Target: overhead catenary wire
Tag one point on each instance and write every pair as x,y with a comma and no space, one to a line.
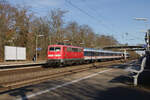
81,10
100,15
89,15
94,18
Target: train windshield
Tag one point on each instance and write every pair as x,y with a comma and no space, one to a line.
54,49
57,48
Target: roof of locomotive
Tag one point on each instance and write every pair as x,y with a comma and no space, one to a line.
58,45
101,50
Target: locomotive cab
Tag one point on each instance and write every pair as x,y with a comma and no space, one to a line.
54,54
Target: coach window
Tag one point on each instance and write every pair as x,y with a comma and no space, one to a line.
97,53
89,53
100,54
110,54
103,54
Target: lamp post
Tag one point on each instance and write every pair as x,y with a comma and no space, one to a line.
37,36
147,33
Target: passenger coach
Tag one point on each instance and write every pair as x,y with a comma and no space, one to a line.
91,54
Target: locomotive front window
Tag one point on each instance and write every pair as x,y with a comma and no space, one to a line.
57,49
51,49
54,49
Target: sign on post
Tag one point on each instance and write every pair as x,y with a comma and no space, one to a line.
38,49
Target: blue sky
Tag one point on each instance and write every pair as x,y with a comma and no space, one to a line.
110,17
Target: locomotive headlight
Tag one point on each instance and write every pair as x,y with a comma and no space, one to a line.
57,55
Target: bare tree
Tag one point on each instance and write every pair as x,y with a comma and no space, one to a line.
19,27
56,25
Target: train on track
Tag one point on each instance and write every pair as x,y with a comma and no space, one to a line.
67,55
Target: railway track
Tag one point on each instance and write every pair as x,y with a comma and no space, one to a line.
38,78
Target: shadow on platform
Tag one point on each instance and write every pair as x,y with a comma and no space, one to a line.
20,92
123,93
122,79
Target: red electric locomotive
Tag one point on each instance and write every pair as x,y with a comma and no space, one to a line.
64,54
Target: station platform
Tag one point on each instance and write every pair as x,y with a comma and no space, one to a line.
20,63
96,84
